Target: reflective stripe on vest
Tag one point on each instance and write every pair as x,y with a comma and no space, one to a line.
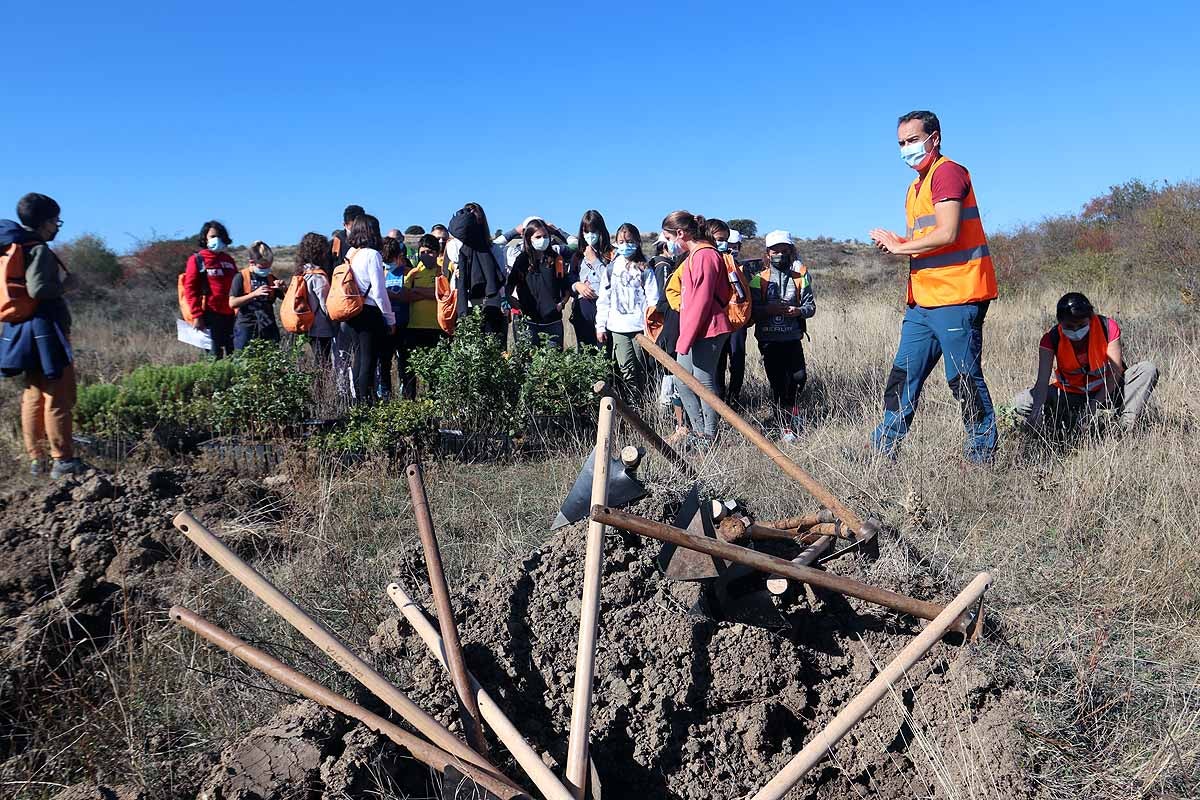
929,220
962,271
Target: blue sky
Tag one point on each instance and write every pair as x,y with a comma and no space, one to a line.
144,118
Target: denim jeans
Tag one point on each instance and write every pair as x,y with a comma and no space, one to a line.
954,333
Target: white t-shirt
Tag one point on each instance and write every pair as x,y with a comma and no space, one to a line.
367,267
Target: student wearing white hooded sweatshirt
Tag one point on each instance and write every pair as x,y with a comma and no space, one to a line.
627,290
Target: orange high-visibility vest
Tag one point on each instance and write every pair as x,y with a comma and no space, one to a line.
1074,377
962,271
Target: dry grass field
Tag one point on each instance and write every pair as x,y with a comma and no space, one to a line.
1094,544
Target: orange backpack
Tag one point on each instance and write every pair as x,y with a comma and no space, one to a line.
738,311
447,304
345,301
296,312
15,303
185,311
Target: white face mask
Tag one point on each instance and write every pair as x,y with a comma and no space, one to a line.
540,243
1079,334
592,238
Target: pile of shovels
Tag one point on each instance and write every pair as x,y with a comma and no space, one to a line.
707,543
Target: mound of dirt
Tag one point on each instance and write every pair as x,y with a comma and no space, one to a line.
688,707
73,554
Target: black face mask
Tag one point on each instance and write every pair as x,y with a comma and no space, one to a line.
777,260
428,260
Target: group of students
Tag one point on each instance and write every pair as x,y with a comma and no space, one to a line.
369,302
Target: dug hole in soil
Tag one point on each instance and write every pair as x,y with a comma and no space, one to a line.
685,706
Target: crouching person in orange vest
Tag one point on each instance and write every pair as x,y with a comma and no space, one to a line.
1083,352
951,283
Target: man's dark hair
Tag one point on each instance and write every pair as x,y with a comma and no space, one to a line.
222,233
35,210
1074,305
414,230
430,241
438,227
929,121
364,232
352,213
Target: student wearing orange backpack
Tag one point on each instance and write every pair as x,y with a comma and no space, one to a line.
367,330
783,301
705,292
35,341
253,295
314,257
204,288
538,287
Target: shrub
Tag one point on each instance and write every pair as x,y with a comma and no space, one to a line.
92,263
560,382
474,383
177,398
160,261
384,428
746,227
269,393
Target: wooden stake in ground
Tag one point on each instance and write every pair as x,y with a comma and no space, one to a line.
648,433
420,749
756,437
469,710
323,638
541,775
589,614
814,752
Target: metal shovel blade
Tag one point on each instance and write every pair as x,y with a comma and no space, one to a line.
623,489
680,563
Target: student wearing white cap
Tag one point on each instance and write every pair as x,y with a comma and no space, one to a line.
783,302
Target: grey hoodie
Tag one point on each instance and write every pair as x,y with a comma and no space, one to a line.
772,286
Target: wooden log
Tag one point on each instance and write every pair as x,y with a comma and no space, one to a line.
589,615
468,709
423,751
528,759
772,565
814,752
323,638
754,435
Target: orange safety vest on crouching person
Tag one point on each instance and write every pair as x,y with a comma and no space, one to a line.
962,271
1073,377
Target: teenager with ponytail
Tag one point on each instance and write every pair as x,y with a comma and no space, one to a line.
703,326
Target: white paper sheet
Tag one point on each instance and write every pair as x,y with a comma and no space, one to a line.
189,335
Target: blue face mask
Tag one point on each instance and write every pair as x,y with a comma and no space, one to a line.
674,247
913,154
215,244
722,247
592,238
626,249
262,272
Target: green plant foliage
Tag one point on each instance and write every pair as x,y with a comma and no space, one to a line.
746,227
269,391
560,382
384,428
151,397
478,386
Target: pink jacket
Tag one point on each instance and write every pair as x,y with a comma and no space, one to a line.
704,291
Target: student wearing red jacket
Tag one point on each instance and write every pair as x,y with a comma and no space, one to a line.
206,284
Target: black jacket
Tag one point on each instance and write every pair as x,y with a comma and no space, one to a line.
537,290
479,278
664,267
